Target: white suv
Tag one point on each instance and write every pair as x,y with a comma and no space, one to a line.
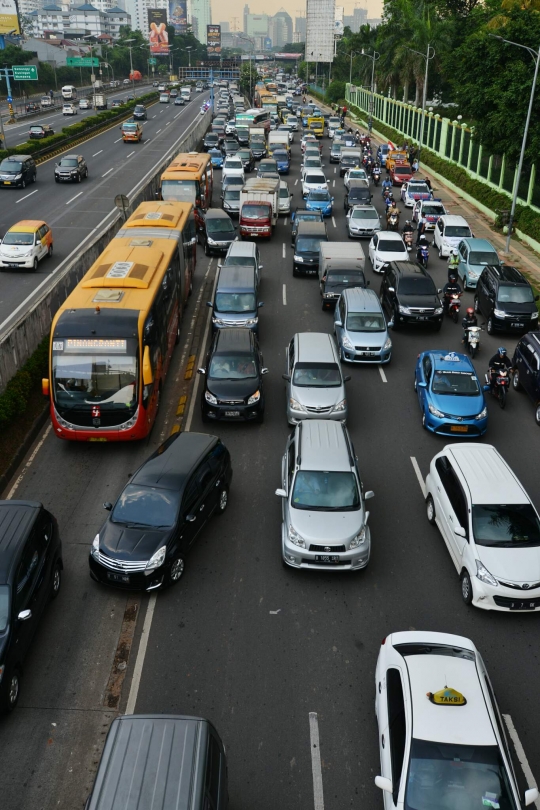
489,525
448,233
313,180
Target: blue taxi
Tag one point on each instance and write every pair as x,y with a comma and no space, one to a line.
216,158
320,200
450,394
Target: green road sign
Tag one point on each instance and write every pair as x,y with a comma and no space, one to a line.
82,61
24,73
152,61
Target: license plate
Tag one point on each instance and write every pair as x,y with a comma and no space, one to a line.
422,318
459,428
98,439
522,605
327,558
11,264
232,413
517,325
7,182
117,577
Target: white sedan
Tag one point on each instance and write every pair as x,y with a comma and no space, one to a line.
385,247
313,180
442,740
69,109
354,174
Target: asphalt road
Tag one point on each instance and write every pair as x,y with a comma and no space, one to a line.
254,647
74,210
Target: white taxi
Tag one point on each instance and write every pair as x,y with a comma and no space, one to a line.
442,740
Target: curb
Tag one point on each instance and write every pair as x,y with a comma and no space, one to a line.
24,447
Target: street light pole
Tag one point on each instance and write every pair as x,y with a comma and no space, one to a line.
374,56
427,56
131,63
536,56
352,55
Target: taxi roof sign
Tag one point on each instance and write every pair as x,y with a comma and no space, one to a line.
447,697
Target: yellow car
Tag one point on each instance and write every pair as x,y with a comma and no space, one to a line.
25,244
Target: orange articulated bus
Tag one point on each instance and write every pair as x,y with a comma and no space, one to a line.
112,341
189,178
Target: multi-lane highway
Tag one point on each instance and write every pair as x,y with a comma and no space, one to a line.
75,210
241,641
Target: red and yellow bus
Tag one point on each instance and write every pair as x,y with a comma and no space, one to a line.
112,341
167,220
189,178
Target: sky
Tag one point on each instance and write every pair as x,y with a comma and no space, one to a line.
231,9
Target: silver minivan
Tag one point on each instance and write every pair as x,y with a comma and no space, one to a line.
323,500
315,385
360,327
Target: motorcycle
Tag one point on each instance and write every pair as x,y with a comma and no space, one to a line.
408,239
473,339
388,196
392,222
422,255
376,174
453,306
501,385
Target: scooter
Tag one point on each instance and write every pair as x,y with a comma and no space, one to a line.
422,256
376,174
501,385
392,222
473,339
408,239
453,306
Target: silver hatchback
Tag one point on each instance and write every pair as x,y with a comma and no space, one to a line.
315,384
323,500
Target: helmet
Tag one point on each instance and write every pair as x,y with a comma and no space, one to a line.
470,312
452,277
407,222
501,350
454,252
423,241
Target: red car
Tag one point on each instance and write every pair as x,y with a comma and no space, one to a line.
401,173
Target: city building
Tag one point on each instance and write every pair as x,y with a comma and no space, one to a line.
320,24
201,16
138,10
26,7
299,29
246,14
56,22
257,25
280,28
225,27
355,20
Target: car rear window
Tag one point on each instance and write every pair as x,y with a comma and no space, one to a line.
422,648
305,244
457,230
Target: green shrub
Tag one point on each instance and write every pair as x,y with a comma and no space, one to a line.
14,400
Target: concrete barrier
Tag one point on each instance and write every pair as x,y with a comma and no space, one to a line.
19,343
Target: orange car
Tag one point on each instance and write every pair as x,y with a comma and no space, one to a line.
395,156
131,131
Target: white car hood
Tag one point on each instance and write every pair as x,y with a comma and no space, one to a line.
13,251
387,256
327,528
512,564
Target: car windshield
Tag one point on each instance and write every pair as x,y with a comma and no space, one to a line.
335,149
483,257
348,277
417,285
515,295
455,383
317,375
445,775
369,213
68,162
14,238
8,165
235,302
418,188
139,108
365,322
281,154
402,170
319,196
506,525
128,126
307,244
235,163
283,193
433,209
355,174
219,225
4,607
250,211
235,366
234,180
328,491
146,506
231,194
391,246
212,138
37,129
244,154
312,162
457,230
316,178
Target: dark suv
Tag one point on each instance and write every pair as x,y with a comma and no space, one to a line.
527,369
144,543
71,169
216,231
408,295
505,298
30,575
139,113
306,248
18,170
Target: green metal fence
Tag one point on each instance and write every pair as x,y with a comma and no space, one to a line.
451,140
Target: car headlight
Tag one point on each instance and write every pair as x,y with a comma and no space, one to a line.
472,274
18,176
534,314
295,405
295,538
347,344
254,398
95,547
210,398
484,576
404,310
438,311
252,321
340,406
210,241
482,414
298,258
218,321
156,560
432,409
358,539
499,313
388,343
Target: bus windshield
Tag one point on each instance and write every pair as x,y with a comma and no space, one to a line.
179,190
105,374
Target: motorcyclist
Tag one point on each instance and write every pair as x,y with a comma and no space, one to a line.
386,184
470,319
422,244
407,228
453,262
421,230
498,362
392,211
452,287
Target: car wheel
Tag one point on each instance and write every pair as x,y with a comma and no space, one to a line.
11,691
476,304
23,183
50,251
56,180
440,253
86,174
176,571
466,587
516,382
395,323
537,414
56,581
34,177
79,178
223,500
490,329
415,384
430,510
35,267
206,249
424,420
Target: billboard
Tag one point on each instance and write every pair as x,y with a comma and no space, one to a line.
213,40
320,25
157,31
177,15
338,30
9,19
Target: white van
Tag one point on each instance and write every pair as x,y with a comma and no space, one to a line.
185,92
448,233
69,92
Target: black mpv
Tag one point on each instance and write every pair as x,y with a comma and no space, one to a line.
506,299
409,296
526,375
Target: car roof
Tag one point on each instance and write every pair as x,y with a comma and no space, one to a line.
323,446
451,361
452,219
242,249
237,340
359,299
73,157
317,172
216,213
489,478
236,277
473,243
311,229
393,236
315,347
17,158
508,274
172,463
16,519
405,268
27,226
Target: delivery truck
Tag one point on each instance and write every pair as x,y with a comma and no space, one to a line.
341,265
259,207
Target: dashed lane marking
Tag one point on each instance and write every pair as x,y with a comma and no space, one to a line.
75,197
334,222
316,770
26,196
98,153
383,375
418,475
284,295
29,463
520,753
108,172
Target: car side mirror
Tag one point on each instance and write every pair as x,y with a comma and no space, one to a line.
369,495
201,371
209,304
24,615
107,505
530,796
460,531
260,304
422,385
347,378
383,783
486,388
191,518
264,371
391,289
439,291
286,377
261,266
281,493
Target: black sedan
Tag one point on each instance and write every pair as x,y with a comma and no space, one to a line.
152,526
233,388
231,146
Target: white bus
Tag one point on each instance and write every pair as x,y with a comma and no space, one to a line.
69,92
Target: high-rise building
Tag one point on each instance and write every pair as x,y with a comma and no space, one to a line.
320,22
201,16
138,9
299,29
257,25
224,27
280,28
356,20
246,15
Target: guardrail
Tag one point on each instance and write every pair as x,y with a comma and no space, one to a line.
23,338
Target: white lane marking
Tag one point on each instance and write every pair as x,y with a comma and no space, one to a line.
333,183
316,761
334,222
296,181
158,131
131,153
335,169
520,752
176,116
383,375
26,196
75,197
286,220
418,475
275,612
154,116
98,153
108,172
284,295
284,251
118,141
29,463
141,653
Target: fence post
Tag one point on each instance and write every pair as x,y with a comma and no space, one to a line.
490,168
385,110
503,170
479,161
444,137
469,155
461,145
532,180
